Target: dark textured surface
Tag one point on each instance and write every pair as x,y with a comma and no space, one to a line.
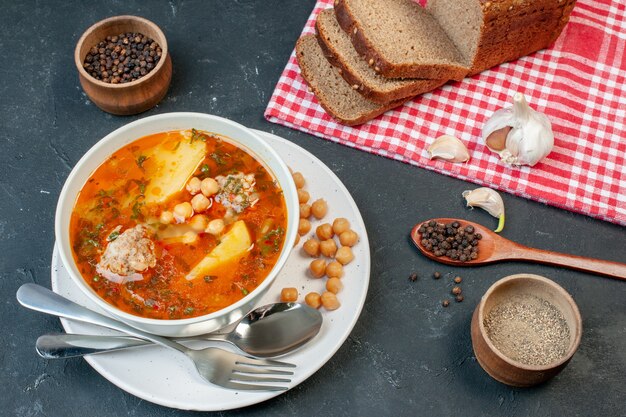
406,355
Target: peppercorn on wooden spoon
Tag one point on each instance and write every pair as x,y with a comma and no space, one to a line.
494,248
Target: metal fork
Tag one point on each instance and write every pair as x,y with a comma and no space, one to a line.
218,366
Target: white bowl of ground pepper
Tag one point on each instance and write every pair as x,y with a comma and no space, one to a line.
525,330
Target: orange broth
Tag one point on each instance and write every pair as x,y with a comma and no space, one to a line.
114,195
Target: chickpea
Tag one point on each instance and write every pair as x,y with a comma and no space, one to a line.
200,203
328,248
330,301
298,178
319,208
166,217
199,222
209,187
303,196
334,285
344,255
340,225
324,231
313,299
297,241
318,268
193,186
304,227
305,211
348,238
312,247
182,211
190,237
334,270
289,295
215,227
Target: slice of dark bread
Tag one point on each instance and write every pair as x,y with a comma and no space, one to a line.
490,32
357,72
401,38
336,96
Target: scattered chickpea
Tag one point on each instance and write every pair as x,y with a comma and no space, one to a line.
456,290
324,231
209,187
215,227
199,222
193,186
289,295
304,227
348,238
318,268
445,303
305,211
334,285
458,298
334,270
303,196
458,280
330,301
166,217
200,203
298,178
319,208
183,211
328,248
344,255
313,299
437,275
340,225
312,247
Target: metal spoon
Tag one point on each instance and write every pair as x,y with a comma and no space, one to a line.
268,331
495,248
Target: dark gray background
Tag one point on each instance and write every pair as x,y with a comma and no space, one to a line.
406,355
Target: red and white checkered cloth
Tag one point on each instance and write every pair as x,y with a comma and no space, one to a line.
579,83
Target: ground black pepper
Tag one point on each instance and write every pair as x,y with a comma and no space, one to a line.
122,58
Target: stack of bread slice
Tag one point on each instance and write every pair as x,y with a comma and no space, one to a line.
369,56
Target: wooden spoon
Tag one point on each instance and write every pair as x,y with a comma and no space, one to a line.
494,248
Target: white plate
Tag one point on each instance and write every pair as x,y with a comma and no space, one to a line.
167,378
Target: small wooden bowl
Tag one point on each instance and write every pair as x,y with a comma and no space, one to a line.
495,363
128,98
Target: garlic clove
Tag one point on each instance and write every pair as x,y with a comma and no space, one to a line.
448,148
520,135
489,200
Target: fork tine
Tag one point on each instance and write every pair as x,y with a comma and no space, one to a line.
260,370
252,378
252,387
246,360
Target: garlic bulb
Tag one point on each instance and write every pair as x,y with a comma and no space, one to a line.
520,135
489,200
448,148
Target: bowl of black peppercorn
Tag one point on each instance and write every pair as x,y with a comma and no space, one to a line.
124,65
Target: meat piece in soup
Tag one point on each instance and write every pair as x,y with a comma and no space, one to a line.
178,224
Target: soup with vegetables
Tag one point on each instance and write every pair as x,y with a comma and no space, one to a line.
178,224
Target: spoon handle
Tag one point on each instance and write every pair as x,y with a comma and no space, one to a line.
595,266
41,299
59,346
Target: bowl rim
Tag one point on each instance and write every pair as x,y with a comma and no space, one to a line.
68,259
79,64
561,291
